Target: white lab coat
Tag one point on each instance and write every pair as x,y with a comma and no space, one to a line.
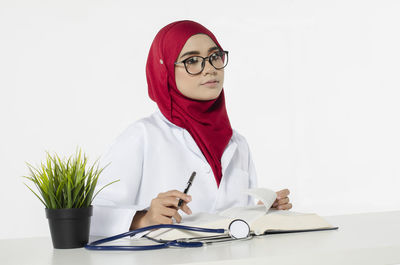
153,155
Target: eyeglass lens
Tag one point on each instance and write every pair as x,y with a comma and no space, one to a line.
195,64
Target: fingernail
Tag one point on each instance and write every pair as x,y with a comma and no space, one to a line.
188,197
190,211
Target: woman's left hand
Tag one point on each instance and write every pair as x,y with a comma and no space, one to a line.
282,200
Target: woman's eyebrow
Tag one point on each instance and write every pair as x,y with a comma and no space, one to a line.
213,49
197,52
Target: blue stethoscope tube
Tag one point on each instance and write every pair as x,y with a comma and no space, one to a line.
173,243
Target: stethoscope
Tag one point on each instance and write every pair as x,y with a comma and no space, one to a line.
238,230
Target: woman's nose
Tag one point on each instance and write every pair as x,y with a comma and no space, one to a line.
208,68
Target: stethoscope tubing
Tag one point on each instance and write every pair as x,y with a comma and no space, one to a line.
173,243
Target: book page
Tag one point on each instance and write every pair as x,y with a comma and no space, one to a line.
265,195
248,214
288,221
205,220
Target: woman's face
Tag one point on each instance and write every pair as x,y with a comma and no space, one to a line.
208,84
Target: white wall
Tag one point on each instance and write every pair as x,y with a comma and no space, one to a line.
313,85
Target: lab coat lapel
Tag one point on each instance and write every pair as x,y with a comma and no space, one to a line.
187,138
228,155
192,145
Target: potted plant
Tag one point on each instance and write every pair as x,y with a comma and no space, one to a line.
67,188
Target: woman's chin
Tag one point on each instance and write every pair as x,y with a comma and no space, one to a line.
210,96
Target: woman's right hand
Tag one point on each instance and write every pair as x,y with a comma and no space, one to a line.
162,209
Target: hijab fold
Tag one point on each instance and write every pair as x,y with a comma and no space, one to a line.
206,121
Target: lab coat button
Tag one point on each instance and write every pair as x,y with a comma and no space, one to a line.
208,170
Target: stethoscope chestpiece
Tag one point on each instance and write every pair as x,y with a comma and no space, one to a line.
239,229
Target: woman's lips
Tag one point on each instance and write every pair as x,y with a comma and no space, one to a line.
211,83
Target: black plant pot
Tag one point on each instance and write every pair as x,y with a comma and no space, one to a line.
69,228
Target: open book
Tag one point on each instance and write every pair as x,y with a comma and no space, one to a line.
260,218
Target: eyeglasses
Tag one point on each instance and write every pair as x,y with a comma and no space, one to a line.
194,65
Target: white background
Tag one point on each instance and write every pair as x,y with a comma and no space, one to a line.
313,86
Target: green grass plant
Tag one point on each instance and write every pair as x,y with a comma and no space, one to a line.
66,183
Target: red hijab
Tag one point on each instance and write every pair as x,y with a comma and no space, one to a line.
206,121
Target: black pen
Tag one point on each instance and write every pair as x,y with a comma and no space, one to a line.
187,187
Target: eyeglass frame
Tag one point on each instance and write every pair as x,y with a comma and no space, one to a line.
203,64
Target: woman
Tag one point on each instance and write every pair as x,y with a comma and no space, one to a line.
191,132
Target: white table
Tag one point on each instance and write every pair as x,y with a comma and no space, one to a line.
370,238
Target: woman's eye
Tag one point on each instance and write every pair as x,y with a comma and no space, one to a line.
192,60
216,56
